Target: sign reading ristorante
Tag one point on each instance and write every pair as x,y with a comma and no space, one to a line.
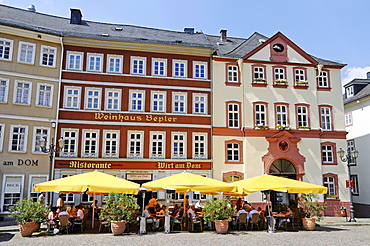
106,164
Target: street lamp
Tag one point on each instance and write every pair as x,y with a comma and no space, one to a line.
51,150
349,158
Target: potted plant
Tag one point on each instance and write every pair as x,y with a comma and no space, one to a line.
118,210
260,80
29,215
261,127
219,211
281,82
311,208
282,127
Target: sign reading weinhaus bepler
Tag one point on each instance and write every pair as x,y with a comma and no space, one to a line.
110,164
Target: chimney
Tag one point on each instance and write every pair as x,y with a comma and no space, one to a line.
31,8
223,35
189,30
76,17
368,75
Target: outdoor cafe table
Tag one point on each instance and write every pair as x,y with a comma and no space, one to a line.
279,217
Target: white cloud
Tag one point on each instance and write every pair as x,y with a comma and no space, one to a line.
354,73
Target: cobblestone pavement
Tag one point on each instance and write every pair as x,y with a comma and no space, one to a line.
341,235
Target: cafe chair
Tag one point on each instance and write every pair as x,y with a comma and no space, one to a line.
81,224
262,221
177,221
64,223
254,222
195,221
243,220
104,223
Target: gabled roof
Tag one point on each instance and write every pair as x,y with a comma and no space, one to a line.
364,92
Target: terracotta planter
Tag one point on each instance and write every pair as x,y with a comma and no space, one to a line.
27,228
221,226
37,226
118,227
309,223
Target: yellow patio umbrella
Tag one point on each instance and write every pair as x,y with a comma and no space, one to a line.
188,182
93,183
271,182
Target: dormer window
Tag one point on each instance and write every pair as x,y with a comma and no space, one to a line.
349,91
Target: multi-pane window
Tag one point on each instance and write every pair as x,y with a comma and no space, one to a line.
281,115
258,73
325,114
75,60
232,178
94,62
70,143
200,70
33,181
44,95
26,52
329,182
348,119
135,144
114,64
48,56
349,91
159,67
90,142
13,186
233,152
233,115
4,89
299,75
113,99
355,189
138,65
179,102
178,145
350,148
22,92
260,114
72,97
137,100
92,98
18,137
6,49
200,102
199,146
279,74
157,148
179,68
302,116
111,140
158,101
327,154
323,79
232,73
2,130
39,133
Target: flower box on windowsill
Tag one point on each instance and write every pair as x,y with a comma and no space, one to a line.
301,83
260,81
331,197
303,128
281,128
281,82
261,127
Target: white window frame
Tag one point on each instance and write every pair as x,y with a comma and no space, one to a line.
42,97
115,100
74,66
63,153
116,59
161,103
326,118
281,116
177,73
5,177
302,117
355,189
233,116
259,73
157,155
330,184
183,154
156,71
66,88
94,62
37,137
259,113
4,87
111,139
174,101
279,73
31,48
233,149
349,91
25,138
348,119
90,153
323,79
49,51
196,142
327,154
31,184
29,89
137,143
93,97
351,147
4,45
2,132
197,74
232,73
133,70
199,103
134,106
299,75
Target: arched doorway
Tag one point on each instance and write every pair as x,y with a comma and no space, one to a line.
282,168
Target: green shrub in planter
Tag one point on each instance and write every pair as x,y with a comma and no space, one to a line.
311,206
28,211
218,209
120,207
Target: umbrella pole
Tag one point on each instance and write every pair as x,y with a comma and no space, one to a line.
93,212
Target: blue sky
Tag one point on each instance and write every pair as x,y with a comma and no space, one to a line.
336,30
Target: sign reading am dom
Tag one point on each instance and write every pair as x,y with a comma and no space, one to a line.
110,164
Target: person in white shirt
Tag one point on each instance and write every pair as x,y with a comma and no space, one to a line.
191,212
241,211
147,215
253,211
199,205
60,202
63,212
80,214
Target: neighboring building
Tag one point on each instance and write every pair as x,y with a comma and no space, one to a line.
357,118
29,85
277,110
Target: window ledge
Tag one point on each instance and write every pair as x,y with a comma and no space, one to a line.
323,89
279,86
254,84
234,162
302,87
233,83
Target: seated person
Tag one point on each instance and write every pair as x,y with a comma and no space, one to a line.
288,213
241,211
175,210
63,211
80,214
147,215
52,215
72,209
253,211
199,206
191,212
163,211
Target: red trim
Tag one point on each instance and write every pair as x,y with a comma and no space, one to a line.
320,88
331,116
308,113
335,176
232,173
230,83
240,143
266,111
239,114
287,112
334,150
